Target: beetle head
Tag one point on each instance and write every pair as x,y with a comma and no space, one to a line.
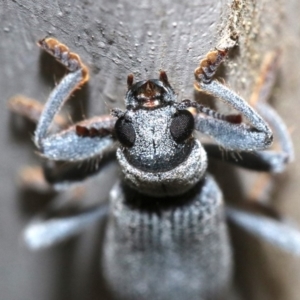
149,94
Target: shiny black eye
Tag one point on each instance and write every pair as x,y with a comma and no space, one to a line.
182,125
125,132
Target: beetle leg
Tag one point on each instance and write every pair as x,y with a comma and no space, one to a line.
77,77
235,136
260,219
32,109
258,136
32,178
270,160
278,233
87,139
42,233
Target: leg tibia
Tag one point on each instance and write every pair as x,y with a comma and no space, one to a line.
54,103
77,77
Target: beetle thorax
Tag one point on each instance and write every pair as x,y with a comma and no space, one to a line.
158,155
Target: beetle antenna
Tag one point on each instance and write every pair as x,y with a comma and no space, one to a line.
130,78
163,77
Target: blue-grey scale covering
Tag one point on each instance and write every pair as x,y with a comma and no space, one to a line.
177,253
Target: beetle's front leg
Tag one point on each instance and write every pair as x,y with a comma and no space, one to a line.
271,160
87,139
265,82
77,77
43,232
256,136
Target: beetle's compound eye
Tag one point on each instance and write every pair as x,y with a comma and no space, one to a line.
125,132
182,125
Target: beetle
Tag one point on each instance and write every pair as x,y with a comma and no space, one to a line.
166,217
